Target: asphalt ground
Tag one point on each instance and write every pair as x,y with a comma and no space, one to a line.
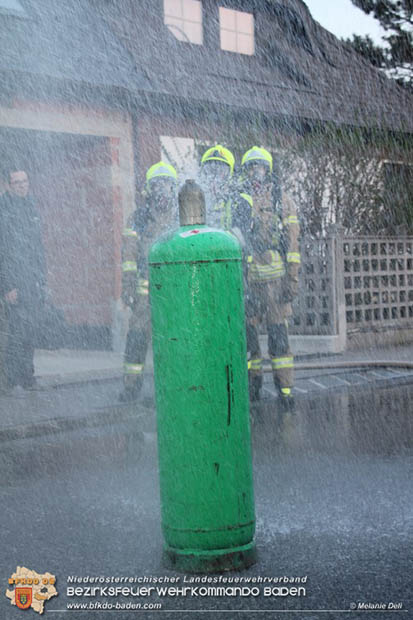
333,494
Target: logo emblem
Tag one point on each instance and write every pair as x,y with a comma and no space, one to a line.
29,589
23,597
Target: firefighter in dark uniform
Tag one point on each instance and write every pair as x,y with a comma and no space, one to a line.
23,274
157,214
268,222
4,384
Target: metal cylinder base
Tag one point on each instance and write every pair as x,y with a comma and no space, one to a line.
210,561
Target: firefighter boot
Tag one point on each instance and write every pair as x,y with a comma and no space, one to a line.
286,401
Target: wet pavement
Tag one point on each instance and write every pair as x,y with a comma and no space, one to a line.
88,398
334,503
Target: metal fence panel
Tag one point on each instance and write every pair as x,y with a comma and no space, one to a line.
378,282
314,310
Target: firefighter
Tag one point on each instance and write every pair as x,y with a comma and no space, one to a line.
156,215
269,225
217,168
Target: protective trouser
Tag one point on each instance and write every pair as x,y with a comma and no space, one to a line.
137,339
263,305
255,377
282,360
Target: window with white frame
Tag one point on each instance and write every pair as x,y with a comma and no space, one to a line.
184,19
180,153
236,31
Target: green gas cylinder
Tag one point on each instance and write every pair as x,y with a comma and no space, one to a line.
201,385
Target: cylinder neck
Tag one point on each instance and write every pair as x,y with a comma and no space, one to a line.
191,202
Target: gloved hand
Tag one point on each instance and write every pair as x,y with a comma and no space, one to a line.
290,289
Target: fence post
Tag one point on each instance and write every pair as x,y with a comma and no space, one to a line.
336,234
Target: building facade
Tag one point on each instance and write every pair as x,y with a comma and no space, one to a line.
96,91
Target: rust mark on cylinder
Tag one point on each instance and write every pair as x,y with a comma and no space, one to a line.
230,391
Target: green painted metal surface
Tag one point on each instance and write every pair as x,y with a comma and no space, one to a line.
201,383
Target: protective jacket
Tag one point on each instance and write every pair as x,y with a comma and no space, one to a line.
269,225
142,228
